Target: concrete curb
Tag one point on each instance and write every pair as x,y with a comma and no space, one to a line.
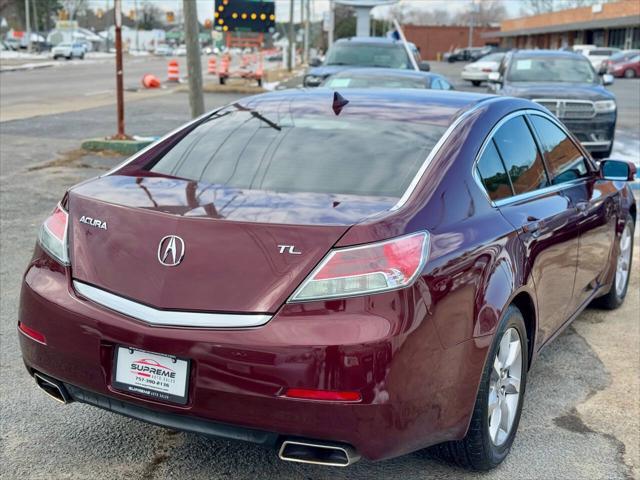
123,147
26,66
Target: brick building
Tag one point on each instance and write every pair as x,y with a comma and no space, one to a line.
615,24
436,40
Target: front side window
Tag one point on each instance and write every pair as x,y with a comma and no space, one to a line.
493,173
564,160
519,152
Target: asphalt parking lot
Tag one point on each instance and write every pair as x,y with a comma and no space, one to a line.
581,416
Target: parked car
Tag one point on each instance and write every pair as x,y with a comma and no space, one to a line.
598,55
68,51
466,54
336,279
386,78
568,86
362,52
624,64
478,71
163,50
180,51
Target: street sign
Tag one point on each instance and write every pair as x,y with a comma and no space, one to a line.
244,15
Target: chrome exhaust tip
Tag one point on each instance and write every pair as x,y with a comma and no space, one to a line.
53,388
318,453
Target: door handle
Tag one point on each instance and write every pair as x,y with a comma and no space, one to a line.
533,227
582,207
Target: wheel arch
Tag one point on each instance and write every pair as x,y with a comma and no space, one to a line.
524,302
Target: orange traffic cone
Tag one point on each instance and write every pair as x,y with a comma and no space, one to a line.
150,81
173,72
211,69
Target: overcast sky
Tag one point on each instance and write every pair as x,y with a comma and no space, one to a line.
318,7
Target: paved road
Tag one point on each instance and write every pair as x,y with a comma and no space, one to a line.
582,410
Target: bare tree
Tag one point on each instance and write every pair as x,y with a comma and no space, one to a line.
537,7
74,7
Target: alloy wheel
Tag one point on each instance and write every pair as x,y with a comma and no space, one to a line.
624,260
504,387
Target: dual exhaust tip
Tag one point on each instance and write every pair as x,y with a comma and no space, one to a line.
301,451
53,388
318,453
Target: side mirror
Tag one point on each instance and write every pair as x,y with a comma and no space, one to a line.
617,170
424,66
607,79
494,77
315,62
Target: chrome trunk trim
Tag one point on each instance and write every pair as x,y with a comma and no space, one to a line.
168,318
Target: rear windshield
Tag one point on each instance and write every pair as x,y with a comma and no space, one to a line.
308,152
374,81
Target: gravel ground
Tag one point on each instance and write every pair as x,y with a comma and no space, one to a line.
581,413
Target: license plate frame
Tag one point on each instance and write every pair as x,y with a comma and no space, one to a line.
152,378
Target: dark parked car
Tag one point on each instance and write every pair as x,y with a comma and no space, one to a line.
386,78
337,276
569,87
627,66
348,53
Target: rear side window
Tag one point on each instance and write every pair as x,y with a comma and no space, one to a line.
493,173
564,160
520,155
302,151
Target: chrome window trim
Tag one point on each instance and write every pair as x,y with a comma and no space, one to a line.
168,318
534,193
436,148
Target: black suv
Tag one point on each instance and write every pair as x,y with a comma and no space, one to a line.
568,86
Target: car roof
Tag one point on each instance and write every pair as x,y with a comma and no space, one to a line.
436,107
385,72
547,53
372,41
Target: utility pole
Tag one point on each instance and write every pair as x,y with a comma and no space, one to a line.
302,30
27,16
307,40
290,55
119,71
332,21
194,66
471,20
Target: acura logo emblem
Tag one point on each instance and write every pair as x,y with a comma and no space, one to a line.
171,250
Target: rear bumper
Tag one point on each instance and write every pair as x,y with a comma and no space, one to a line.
475,76
411,395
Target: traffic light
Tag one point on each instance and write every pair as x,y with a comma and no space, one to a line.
244,15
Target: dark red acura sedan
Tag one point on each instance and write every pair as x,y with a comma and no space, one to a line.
365,274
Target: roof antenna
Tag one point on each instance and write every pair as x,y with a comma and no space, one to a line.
339,102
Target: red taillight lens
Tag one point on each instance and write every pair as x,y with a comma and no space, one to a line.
31,333
53,235
487,70
366,269
326,395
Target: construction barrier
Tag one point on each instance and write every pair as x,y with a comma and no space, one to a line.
150,81
211,66
173,71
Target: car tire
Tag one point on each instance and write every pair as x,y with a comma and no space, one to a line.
478,450
629,73
69,57
55,57
476,83
618,291
81,56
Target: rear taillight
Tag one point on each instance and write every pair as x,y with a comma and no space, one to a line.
53,235
365,269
